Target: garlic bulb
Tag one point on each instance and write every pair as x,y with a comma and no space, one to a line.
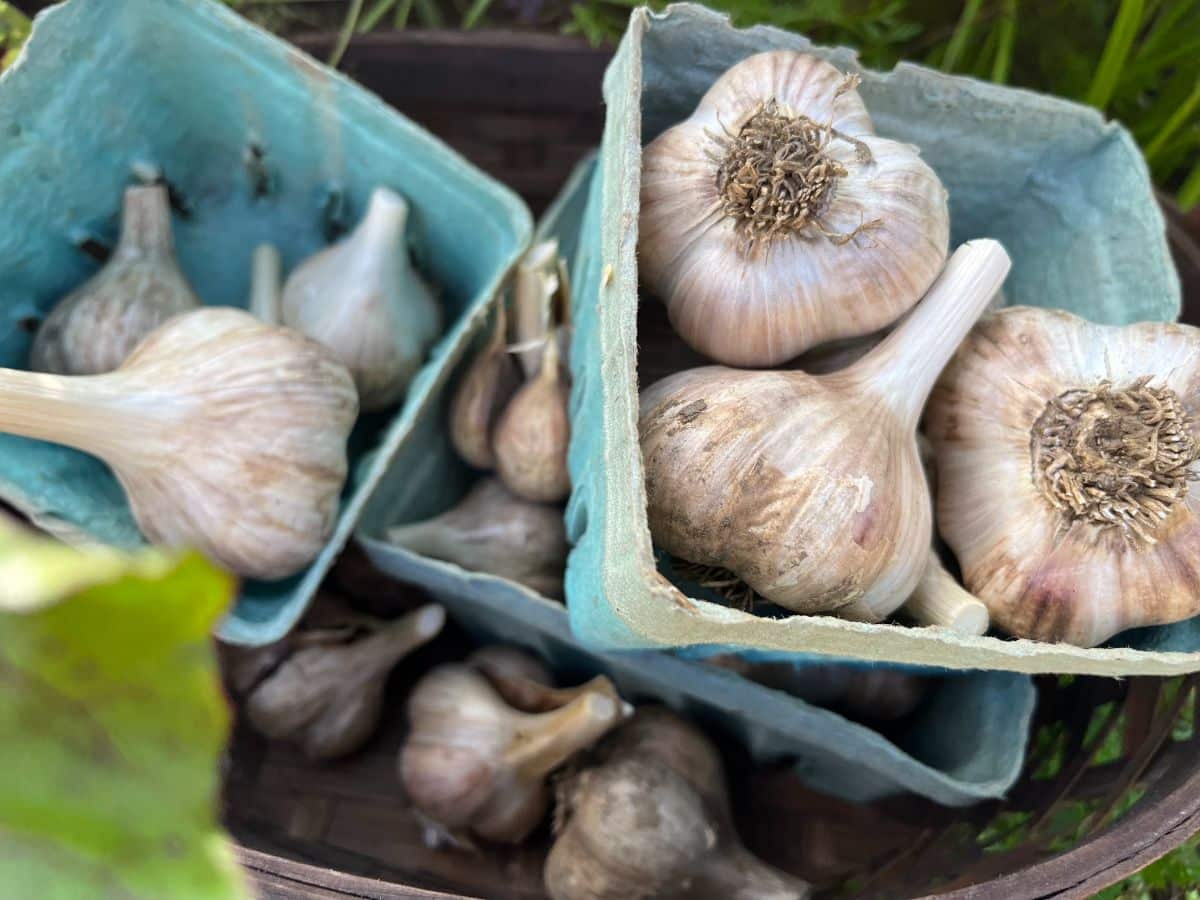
493,531
227,435
266,276
1066,458
809,488
531,437
329,698
481,397
652,822
93,329
473,762
775,219
363,299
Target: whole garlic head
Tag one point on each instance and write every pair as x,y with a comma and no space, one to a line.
363,299
227,435
94,328
774,218
1067,465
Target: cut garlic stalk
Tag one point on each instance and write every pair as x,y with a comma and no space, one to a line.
227,435
810,488
940,600
266,286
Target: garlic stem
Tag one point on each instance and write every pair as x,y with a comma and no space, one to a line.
536,284
266,285
83,411
145,224
940,600
737,874
546,740
904,367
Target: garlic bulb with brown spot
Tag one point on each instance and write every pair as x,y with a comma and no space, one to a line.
480,398
775,219
328,698
227,435
810,488
531,437
652,822
473,762
1067,466
494,531
96,327
364,300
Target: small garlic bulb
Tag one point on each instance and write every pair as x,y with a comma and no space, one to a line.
775,219
95,328
810,488
328,698
472,762
480,398
493,531
531,437
363,299
227,435
1067,466
652,822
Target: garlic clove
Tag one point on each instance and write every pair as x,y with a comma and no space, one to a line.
652,820
749,281
266,284
472,761
227,435
531,437
329,698
810,488
493,531
94,328
364,300
481,397
1070,536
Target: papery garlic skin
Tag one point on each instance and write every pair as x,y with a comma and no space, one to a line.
874,241
480,398
810,489
1049,573
95,327
363,299
227,435
532,435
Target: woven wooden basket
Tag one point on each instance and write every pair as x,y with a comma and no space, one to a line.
1113,778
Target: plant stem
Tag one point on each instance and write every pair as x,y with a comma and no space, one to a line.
352,16
472,16
1181,115
1116,53
962,32
375,15
1006,32
1189,191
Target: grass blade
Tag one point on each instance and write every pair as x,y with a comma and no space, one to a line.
962,32
403,11
1006,33
1116,53
1181,115
1189,191
375,15
472,16
352,16
429,14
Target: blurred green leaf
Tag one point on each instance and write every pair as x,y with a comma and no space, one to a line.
111,724
14,29
1116,52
